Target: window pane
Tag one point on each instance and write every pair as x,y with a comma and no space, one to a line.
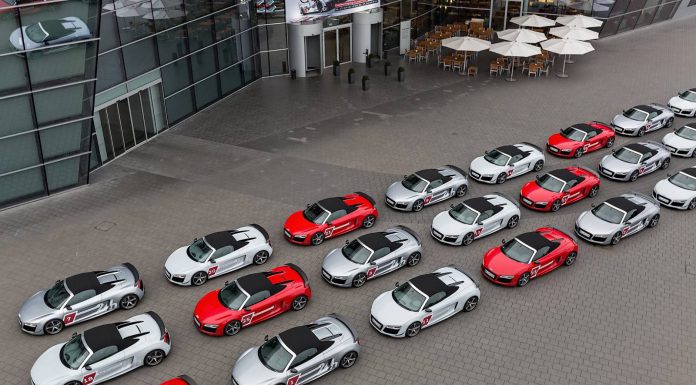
200,33
648,13
203,63
207,92
179,106
94,155
64,173
18,152
231,79
227,23
172,45
138,118
276,37
196,8
175,76
9,24
16,115
108,37
72,63
139,57
110,70
168,13
665,12
26,184
229,52
65,140
278,62
14,79
63,103
134,21
126,126
619,7
610,26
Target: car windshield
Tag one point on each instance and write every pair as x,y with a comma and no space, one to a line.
549,183
517,251
573,134
688,95
35,33
315,214
56,296
408,297
356,252
462,213
231,296
497,158
684,181
686,132
74,353
608,213
274,356
414,183
635,114
627,156
199,250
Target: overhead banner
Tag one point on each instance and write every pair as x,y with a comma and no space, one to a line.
303,10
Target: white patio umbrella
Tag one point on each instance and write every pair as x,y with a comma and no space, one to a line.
466,43
164,13
535,21
580,21
521,35
514,49
158,4
119,4
567,47
574,33
131,12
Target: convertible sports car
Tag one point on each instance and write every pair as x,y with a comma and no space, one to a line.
299,355
579,139
330,217
528,256
372,255
639,120
678,191
104,352
81,297
475,218
634,160
682,142
424,301
684,103
252,299
427,187
618,218
507,162
181,380
218,253
49,32
558,188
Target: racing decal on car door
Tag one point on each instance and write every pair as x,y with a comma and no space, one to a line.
246,319
478,232
588,146
536,269
625,231
293,380
509,172
426,320
427,199
88,379
212,271
69,318
371,272
568,197
329,231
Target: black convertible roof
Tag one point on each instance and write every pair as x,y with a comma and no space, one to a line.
563,175
510,150
584,127
479,204
429,284
624,204
301,338
535,240
639,148
254,283
102,336
432,174
648,109
376,241
691,171
81,282
333,204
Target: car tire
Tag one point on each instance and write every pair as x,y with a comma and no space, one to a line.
261,257
692,204
665,163
154,358
556,205
615,239
300,302
513,222
654,221
610,142
417,205
570,258
641,132
348,359
669,123
369,221
693,153
468,239
501,178
633,177
594,191
233,327
578,153
128,301
461,191
413,329
470,304
73,383
524,279
359,280
317,239
538,165
199,278
413,259
54,326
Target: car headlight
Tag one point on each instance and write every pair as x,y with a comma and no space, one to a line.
507,276
542,203
300,236
340,277
182,276
566,151
393,326
488,175
31,325
211,326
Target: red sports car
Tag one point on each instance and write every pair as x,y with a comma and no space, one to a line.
579,139
528,256
558,188
181,380
330,217
252,299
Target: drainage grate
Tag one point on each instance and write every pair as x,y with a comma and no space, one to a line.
105,226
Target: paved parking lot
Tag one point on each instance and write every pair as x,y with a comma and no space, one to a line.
620,315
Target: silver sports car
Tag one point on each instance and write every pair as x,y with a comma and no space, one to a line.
639,120
299,355
475,218
217,254
424,301
506,162
682,142
372,255
634,160
684,103
618,218
81,297
104,352
49,32
427,187
678,191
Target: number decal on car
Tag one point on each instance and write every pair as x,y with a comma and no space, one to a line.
293,380
625,231
564,200
426,320
69,318
478,232
586,147
88,379
509,172
329,231
641,170
371,272
427,199
534,271
246,319
212,271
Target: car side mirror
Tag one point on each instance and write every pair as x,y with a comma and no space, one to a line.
68,307
428,310
293,371
373,263
87,367
211,260
405,176
504,241
669,175
227,283
396,284
330,223
613,150
479,223
593,205
347,241
247,308
536,262
486,152
452,205
265,338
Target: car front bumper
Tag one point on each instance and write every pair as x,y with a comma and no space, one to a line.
495,278
398,205
614,175
340,282
185,281
683,112
482,178
383,329
447,239
528,203
217,332
589,237
563,153
683,152
665,201
625,131
306,241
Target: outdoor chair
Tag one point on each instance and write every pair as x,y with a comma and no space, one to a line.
447,63
533,70
440,60
544,70
412,56
494,69
457,65
505,68
473,71
525,67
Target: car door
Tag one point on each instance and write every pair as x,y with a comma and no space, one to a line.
381,262
520,164
634,223
648,163
572,192
104,364
83,306
489,223
259,307
439,307
544,261
230,259
653,123
592,142
307,366
338,222
438,190
215,261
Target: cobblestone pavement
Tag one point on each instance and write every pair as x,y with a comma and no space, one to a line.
620,315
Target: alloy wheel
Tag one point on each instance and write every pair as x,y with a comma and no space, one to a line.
317,239
570,259
261,257
556,205
594,191
524,280
418,205
53,326
610,142
129,301
692,204
413,259
154,358
665,164
616,238
299,303
232,328
578,153
369,221
468,238
634,176
413,329
539,165
501,178
359,280
654,220
199,278
513,222
470,304
349,359
461,191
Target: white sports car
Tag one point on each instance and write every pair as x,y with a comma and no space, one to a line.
507,162
424,301
49,32
427,187
684,103
678,191
639,120
475,218
682,142
635,160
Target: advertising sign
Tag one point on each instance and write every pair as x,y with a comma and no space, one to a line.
302,10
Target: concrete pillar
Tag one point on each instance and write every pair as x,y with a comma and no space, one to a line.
362,35
296,44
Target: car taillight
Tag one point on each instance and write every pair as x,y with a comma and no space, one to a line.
165,336
139,284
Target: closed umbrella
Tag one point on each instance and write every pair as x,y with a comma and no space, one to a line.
521,36
580,21
567,47
466,43
514,49
535,21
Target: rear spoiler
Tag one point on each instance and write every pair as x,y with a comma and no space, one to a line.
411,232
661,105
563,232
591,171
508,197
658,144
457,169
300,272
603,124
459,269
646,197
159,322
369,198
341,320
532,145
133,270
187,379
260,229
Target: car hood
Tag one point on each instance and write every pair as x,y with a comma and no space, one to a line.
673,192
180,263
336,264
398,192
210,310
34,308
677,141
447,225
250,370
16,39
532,191
389,312
624,122
589,222
501,264
298,224
482,166
682,104
612,163
48,369
559,141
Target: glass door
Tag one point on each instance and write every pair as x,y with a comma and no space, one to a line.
337,45
344,45
330,48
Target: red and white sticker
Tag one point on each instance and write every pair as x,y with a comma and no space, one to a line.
427,199
246,319
478,232
426,320
371,272
564,200
642,170
293,380
625,231
69,318
534,271
212,271
88,379
329,231
509,172
586,147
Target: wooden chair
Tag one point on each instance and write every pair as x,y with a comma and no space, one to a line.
457,65
494,69
473,71
533,70
412,55
440,60
525,67
544,70
447,63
